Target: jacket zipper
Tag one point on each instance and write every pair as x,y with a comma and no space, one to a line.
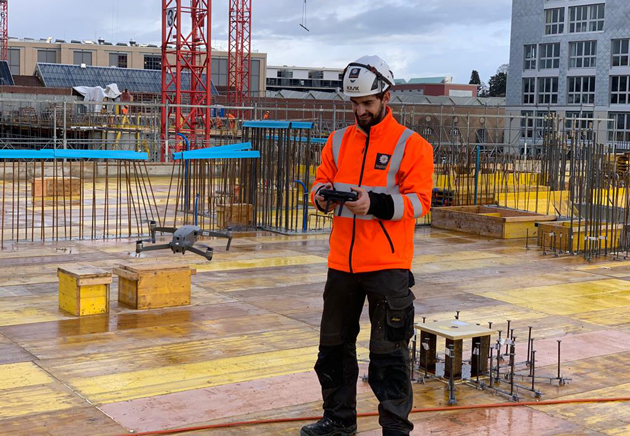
391,244
354,218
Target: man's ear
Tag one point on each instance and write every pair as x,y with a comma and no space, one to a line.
387,97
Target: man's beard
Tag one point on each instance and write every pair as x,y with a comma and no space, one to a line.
367,124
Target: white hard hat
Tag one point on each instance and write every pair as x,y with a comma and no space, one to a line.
368,75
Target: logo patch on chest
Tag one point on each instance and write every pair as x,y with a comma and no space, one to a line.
381,161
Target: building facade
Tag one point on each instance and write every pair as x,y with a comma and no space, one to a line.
24,54
304,78
571,58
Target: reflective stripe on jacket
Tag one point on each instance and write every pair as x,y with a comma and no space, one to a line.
392,160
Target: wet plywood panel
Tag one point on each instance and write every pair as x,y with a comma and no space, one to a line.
246,346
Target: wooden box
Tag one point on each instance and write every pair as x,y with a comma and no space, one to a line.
558,236
488,221
84,290
235,215
153,285
50,186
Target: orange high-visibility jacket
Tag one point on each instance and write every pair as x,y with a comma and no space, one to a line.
392,160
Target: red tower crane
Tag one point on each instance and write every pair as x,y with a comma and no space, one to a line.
4,30
186,80
240,45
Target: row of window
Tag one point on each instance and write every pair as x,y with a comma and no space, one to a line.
314,75
120,60
533,124
587,18
582,54
580,90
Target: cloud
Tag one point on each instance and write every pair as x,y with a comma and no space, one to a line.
417,37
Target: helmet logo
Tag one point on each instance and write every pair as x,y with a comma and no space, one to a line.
354,73
352,88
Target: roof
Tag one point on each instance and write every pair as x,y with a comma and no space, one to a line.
429,80
135,80
399,81
5,74
397,98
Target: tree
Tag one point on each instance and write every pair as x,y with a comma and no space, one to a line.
498,82
474,78
482,90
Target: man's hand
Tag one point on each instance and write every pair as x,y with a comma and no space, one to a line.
322,203
362,205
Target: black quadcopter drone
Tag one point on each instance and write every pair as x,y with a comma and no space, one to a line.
183,240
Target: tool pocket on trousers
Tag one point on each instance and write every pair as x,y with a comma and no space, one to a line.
400,317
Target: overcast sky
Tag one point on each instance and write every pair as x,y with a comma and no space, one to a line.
417,37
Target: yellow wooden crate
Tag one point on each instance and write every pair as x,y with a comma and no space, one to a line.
149,286
84,290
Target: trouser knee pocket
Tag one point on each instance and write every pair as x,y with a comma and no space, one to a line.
400,317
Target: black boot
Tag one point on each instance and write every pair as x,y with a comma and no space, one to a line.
328,427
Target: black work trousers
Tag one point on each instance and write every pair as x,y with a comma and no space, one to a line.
391,316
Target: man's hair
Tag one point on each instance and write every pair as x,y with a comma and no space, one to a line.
380,95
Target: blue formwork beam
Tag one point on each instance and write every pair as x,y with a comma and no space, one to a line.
73,154
221,149
27,154
268,124
101,154
187,155
300,139
304,125
265,124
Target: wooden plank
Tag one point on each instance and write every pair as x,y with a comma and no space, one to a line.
128,291
456,358
79,420
455,329
83,272
68,294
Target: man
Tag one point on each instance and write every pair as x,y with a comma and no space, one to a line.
371,248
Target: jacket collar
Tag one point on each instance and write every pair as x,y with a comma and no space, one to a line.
381,128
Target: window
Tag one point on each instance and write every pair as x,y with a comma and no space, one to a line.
316,75
579,125
620,52
219,72
527,124
581,90
152,62
548,90
619,129
579,120
549,56
619,89
285,74
255,77
554,21
118,60
47,56
534,124
82,57
529,90
588,18
582,54
14,61
530,57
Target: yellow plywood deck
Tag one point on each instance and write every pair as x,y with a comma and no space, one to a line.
245,347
